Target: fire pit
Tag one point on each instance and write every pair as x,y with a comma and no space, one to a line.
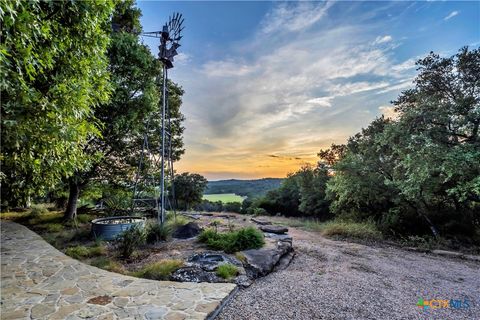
109,228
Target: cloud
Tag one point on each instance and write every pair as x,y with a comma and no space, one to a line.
451,15
322,101
383,39
294,17
287,94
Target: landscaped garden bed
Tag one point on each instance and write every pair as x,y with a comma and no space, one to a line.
214,247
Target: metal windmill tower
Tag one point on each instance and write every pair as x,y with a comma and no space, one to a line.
150,192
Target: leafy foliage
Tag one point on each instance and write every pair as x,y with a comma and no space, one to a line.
419,172
158,232
130,240
53,73
132,111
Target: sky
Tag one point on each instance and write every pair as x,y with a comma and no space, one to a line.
269,84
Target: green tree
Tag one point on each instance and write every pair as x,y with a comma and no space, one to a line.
420,171
189,188
53,73
312,183
132,109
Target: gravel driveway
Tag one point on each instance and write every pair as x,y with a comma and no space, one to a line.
343,280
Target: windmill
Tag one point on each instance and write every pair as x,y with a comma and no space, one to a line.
150,193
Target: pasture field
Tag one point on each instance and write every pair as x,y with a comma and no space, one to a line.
224,197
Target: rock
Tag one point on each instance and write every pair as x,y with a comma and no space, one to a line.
260,221
194,274
471,257
260,262
243,281
445,253
209,261
274,229
187,231
227,216
284,261
279,237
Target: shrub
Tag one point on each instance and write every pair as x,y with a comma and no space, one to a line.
38,209
360,230
157,232
259,212
227,271
77,252
243,239
130,240
160,270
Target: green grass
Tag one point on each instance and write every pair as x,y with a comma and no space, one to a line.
223,197
160,270
234,241
80,252
107,264
227,271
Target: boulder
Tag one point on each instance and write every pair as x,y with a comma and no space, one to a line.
260,262
274,229
187,231
260,221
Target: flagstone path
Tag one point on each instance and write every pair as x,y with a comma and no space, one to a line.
40,282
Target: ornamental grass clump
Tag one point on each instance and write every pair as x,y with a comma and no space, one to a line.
227,271
160,270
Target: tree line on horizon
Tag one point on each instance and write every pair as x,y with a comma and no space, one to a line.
415,174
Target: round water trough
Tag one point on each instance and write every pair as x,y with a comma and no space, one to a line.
109,228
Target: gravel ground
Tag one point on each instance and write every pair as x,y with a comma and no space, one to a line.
342,280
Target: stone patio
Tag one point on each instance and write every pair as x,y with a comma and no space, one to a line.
40,282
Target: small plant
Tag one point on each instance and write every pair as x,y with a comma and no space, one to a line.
158,232
130,240
240,257
108,264
215,224
79,252
175,222
54,227
227,271
243,239
160,270
38,209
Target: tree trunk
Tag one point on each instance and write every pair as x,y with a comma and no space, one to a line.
74,193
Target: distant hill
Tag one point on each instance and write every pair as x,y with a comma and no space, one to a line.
249,188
